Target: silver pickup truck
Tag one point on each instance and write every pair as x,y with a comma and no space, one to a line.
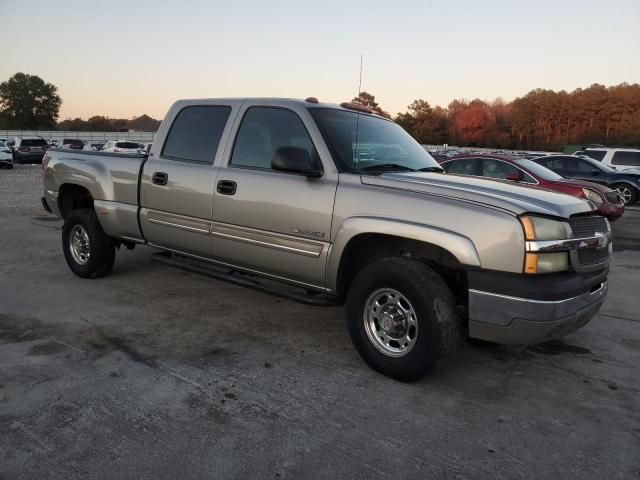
349,208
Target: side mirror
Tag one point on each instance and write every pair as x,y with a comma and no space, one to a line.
514,177
295,160
595,171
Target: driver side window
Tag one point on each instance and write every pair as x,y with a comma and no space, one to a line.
263,131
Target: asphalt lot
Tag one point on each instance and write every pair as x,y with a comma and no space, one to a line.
153,372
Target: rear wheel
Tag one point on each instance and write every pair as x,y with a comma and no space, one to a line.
402,318
627,192
89,252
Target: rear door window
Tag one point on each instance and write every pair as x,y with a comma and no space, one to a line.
196,133
595,154
628,158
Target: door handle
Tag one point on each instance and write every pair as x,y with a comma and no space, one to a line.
226,187
160,178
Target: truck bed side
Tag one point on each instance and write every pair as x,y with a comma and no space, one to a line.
111,179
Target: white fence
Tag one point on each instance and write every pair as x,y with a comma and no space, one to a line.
141,137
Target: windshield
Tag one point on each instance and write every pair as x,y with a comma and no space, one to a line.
538,170
72,141
363,143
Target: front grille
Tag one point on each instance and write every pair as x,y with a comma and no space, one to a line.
586,227
592,256
613,197
583,227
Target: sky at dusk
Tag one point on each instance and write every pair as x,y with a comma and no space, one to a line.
122,59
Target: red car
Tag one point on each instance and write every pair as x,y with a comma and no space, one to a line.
607,201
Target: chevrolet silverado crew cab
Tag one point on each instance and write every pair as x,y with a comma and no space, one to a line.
275,193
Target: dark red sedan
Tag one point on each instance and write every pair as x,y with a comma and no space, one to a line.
607,201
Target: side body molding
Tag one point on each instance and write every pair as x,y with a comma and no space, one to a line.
461,247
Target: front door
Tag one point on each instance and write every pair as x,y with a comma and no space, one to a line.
178,181
273,222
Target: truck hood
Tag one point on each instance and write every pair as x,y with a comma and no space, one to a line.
517,199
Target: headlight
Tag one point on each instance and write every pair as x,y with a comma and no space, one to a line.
592,195
539,229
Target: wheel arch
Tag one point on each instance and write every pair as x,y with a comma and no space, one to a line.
72,197
361,241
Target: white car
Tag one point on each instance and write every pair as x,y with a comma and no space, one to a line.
617,158
93,146
6,158
122,146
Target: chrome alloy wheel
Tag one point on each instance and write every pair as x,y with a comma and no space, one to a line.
79,244
390,322
625,193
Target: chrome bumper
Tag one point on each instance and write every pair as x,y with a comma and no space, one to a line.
513,320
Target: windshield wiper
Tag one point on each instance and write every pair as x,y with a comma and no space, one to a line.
431,169
383,167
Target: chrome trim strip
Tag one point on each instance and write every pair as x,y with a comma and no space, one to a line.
603,285
269,240
244,269
598,241
276,241
179,221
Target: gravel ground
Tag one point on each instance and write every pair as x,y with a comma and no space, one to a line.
152,372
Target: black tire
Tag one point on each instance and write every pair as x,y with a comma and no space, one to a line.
633,194
101,248
438,323
10,166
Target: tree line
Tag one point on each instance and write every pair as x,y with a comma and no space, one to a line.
542,119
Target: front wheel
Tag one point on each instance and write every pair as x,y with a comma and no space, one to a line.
627,193
402,318
89,252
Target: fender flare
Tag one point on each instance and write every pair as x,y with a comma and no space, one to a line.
460,246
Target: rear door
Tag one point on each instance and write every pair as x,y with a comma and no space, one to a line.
274,222
179,177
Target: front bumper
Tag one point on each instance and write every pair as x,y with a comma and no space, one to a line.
518,320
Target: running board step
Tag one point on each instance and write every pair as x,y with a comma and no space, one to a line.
202,268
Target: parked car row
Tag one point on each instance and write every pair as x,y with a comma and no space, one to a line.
6,157
33,149
534,173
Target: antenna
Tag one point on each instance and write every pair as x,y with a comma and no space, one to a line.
355,151
360,83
